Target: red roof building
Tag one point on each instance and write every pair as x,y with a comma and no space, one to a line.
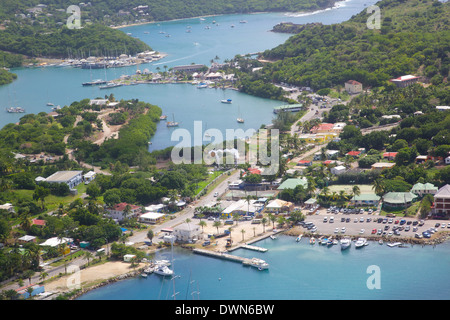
389,155
404,81
38,222
323,127
353,153
304,163
118,211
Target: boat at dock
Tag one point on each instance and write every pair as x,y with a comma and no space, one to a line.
345,243
111,85
273,237
299,238
312,241
15,110
257,263
163,117
94,83
163,270
361,242
202,85
394,244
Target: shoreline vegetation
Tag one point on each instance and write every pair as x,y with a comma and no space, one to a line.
117,273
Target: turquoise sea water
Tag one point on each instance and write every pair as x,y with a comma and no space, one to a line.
61,86
298,271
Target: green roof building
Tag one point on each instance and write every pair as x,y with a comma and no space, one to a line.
424,188
399,199
293,182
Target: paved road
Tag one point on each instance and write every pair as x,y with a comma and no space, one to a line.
188,212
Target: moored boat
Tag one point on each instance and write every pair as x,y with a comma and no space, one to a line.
163,270
345,243
257,263
312,241
229,101
299,238
15,110
361,242
240,120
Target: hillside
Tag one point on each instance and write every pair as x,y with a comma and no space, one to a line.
414,39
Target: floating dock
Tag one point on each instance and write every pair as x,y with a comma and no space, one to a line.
254,248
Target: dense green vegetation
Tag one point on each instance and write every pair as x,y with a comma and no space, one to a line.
414,39
118,12
63,42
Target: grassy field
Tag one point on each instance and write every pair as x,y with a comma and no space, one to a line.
364,188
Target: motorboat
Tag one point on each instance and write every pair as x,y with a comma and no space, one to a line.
380,241
163,117
330,242
324,241
361,242
394,244
312,241
144,275
163,270
258,263
345,243
273,237
202,85
240,120
299,238
229,101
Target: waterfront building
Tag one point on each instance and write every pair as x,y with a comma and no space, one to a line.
442,201
398,199
187,232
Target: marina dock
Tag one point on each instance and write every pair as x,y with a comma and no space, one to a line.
250,247
220,255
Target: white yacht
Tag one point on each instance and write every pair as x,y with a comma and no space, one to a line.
258,263
361,242
299,238
345,243
163,270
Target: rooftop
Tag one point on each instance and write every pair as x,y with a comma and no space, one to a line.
443,192
398,197
292,183
62,176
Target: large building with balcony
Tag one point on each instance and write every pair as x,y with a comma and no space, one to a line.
442,201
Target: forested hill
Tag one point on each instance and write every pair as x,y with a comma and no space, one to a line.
414,38
119,11
60,43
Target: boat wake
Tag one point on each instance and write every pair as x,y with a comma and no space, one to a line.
337,5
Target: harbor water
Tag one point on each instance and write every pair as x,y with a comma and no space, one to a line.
297,271
35,87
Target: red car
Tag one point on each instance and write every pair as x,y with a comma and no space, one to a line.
374,231
396,222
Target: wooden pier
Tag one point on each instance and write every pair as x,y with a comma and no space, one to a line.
221,255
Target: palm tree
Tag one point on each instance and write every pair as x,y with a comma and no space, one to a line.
202,224
217,224
378,186
356,191
243,231
87,255
43,275
264,221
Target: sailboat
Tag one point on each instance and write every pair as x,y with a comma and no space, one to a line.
240,119
172,123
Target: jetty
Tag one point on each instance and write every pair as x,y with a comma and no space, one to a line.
220,255
250,247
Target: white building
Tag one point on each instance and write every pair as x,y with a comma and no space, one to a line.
353,87
338,170
88,177
118,213
187,232
8,207
151,217
71,178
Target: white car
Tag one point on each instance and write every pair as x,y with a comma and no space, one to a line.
216,194
331,220
362,231
325,219
343,230
336,230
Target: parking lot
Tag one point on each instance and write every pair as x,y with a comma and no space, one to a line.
364,224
